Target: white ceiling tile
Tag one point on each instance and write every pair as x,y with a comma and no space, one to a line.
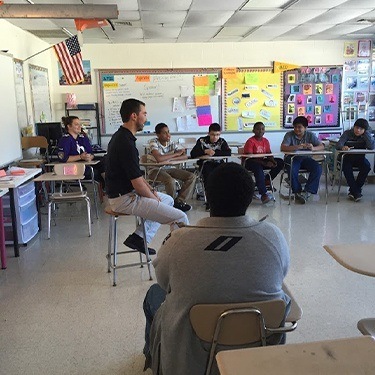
367,30
267,33
169,19
96,41
164,4
127,15
338,16
310,29
344,29
252,17
161,32
93,33
254,4
214,18
296,17
216,4
316,4
233,31
204,32
226,39
64,23
125,32
353,4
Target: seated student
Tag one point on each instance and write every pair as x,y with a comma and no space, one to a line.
211,145
301,139
75,146
358,137
199,265
260,145
162,149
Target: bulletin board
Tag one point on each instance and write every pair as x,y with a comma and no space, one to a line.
253,95
187,100
40,96
313,92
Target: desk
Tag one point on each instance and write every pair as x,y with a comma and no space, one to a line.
11,185
3,256
322,153
331,357
345,153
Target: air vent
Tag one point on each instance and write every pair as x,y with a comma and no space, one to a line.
123,23
56,33
366,21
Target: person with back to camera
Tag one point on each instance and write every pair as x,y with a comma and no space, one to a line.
258,144
301,139
226,258
74,146
210,145
127,190
163,149
358,137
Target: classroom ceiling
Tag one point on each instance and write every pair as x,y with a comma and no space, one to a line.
189,21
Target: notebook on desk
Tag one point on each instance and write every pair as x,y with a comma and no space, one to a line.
360,144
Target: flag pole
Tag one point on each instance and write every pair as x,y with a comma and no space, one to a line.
35,54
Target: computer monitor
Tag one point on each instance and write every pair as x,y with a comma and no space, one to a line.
53,131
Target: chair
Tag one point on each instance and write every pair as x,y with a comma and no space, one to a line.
238,324
112,246
41,153
69,169
339,164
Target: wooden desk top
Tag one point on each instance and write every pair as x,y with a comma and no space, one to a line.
307,152
331,357
358,257
15,181
92,162
356,151
51,176
258,156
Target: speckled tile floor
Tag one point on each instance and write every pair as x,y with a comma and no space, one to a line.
59,313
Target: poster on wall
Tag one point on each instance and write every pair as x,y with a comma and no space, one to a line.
86,70
313,92
252,95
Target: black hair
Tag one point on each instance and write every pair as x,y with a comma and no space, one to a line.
258,123
229,190
301,120
214,127
128,107
362,123
159,127
68,120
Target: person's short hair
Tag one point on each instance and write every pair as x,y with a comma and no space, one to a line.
301,120
258,123
128,107
229,190
159,127
362,123
214,127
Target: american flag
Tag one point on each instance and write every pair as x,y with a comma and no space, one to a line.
69,54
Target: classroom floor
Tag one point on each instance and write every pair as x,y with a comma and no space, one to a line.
59,313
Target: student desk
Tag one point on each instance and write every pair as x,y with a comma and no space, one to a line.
2,234
11,185
344,154
321,153
358,258
333,357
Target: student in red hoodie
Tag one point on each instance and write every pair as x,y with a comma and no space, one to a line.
260,145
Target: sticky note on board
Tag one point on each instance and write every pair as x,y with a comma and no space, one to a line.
203,100
229,73
251,78
201,81
201,90
110,86
205,110
204,120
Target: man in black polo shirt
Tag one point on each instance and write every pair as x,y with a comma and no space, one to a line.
127,190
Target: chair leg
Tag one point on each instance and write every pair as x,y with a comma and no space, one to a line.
49,220
88,214
114,261
110,240
148,259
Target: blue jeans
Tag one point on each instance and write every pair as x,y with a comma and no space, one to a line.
258,170
359,161
311,165
155,296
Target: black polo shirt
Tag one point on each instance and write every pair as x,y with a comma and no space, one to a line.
122,163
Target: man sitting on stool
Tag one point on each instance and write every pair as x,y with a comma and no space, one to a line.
163,149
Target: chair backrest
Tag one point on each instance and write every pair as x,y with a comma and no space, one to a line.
241,325
36,141
187,140
69,169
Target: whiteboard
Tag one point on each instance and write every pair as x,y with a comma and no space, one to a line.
10,139
40,97
169,95
20,94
